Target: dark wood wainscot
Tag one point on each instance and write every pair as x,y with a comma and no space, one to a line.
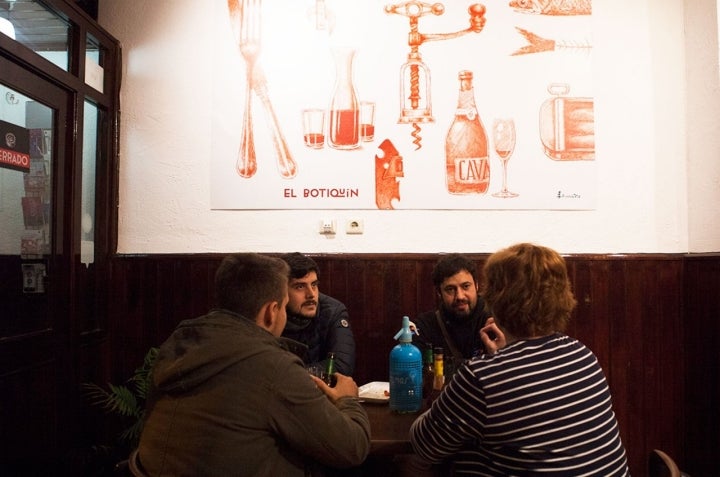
652,320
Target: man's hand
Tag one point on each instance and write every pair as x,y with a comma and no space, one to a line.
344,387
492,337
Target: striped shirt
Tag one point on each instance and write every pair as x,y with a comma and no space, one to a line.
536,407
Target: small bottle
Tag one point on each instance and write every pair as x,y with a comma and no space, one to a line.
330,370
466,145
405,373
438,368
428,371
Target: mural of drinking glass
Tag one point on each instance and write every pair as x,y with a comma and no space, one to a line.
503,134
314,127
367,120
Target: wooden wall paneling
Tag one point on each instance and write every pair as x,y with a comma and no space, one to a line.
612,305
149,297
587,323
595,300
625,349
130,312
382,319
591,324
664,358
630,312
165,283
427,299
650,383
29,414
408,286
87,320
202,288
701,324
354,295
391,319
94,365
338,279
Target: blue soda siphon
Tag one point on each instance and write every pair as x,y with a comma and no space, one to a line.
405,373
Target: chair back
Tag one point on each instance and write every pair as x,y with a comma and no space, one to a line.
135,466
662,465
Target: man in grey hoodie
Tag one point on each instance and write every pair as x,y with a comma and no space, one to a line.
229,400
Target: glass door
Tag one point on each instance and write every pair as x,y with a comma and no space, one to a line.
35,263
59,96
26,165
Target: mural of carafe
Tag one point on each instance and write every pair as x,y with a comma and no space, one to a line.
344,107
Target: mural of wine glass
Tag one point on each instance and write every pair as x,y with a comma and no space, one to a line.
503,134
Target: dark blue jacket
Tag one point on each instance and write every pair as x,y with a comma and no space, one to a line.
328,331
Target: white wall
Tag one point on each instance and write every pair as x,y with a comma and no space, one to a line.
703,130
657,143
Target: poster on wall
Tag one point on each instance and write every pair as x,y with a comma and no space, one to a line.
368,104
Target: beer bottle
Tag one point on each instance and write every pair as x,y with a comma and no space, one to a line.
438,365
330,370
428,371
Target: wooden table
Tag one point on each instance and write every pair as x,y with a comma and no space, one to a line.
389,431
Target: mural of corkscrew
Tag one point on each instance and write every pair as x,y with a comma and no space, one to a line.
415,98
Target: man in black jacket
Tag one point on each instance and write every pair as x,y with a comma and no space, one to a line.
455,324
316,320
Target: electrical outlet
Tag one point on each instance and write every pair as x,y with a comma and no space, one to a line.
327,227
354,226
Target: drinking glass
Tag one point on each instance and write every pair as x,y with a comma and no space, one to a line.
503,134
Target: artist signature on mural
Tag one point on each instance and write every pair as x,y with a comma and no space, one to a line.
563,195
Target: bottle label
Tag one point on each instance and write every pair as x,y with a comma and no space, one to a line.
470,170
470,113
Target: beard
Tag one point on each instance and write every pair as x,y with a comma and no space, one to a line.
451,314
298,321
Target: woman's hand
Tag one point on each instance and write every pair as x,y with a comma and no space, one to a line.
492,337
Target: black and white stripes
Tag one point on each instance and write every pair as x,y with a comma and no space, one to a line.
537,407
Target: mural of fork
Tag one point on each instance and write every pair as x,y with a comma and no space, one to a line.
245,17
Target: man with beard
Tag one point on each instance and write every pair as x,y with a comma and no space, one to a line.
317,321
455,325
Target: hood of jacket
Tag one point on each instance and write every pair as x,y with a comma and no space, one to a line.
201,348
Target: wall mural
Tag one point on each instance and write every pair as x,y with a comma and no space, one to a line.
365,104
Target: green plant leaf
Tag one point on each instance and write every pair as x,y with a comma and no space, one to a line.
127,401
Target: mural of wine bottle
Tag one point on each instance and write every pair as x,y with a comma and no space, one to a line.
466,144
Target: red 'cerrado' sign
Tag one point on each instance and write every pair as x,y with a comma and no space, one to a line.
14,147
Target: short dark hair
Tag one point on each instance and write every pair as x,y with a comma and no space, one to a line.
451,264
244,282
300,265
527,290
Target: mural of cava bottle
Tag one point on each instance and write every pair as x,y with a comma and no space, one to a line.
466,145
